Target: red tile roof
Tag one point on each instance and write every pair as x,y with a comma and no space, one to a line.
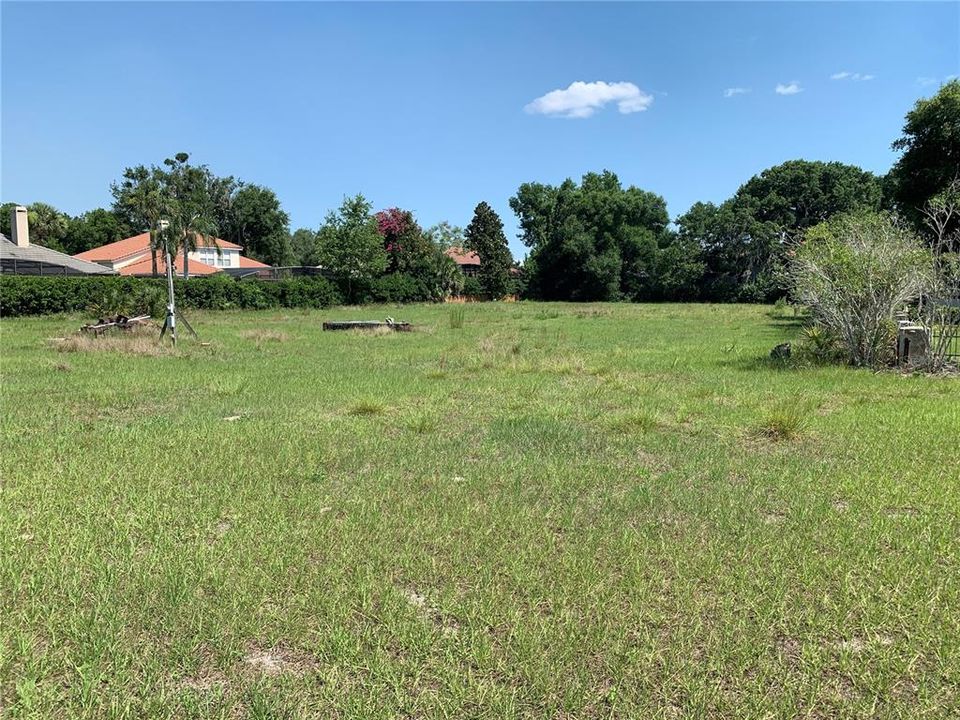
246,262
145,267
132,246
118,250
462,257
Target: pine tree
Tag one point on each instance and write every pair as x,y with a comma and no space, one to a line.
484,235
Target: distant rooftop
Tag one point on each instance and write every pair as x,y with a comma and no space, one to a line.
38,260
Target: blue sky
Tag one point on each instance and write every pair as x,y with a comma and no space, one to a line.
433,107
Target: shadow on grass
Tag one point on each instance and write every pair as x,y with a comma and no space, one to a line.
789,322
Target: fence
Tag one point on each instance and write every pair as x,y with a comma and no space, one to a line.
945,332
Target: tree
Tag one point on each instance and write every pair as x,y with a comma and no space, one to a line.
192,198
303,244
484,235
350,246
6,210
138,203
595,241
407,246
445,235
93,229
743,239
48,226
738,251
799,194
931,152
143,196
259,224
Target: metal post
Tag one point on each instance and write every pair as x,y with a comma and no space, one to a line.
171,302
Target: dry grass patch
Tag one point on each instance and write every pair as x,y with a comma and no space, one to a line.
377,331
136,342
278,660
260,335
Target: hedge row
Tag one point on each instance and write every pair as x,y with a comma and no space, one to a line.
34,295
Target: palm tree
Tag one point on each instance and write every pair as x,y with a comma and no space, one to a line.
191,208
140,200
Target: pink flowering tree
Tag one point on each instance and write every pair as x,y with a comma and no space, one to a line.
403,239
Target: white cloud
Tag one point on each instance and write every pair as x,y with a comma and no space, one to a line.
791,88
855,76
928,81
583,99
731,92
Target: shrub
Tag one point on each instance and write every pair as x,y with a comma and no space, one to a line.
819,345
855,272
399,288
472,287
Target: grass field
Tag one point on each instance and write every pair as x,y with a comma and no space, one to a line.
566,511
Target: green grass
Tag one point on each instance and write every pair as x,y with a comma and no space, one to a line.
566,511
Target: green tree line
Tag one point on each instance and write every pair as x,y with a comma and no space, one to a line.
589,240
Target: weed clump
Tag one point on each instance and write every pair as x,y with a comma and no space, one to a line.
367,407
786,422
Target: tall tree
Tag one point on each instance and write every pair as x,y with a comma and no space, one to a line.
259,224
350,246
144,195
931,152
138,202
93,229
743,240
445,235
303,244
484,235
192,199
592,241
408,248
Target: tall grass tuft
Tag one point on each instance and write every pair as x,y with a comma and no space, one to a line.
457,316
786,422
367,407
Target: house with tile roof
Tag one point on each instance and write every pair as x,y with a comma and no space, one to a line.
131,256
467,260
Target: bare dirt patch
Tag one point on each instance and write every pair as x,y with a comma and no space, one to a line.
900,512
429,612
278,660
858,644
204,681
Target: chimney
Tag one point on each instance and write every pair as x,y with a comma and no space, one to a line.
18,224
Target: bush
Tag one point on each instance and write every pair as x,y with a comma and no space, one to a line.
35,295
855,272
399,288
472,287
819,345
